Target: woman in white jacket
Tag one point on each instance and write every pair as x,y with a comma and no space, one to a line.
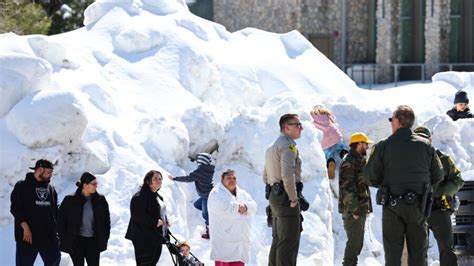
230,211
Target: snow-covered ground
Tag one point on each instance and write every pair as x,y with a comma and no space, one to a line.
146,85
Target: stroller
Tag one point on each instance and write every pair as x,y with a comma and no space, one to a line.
176,256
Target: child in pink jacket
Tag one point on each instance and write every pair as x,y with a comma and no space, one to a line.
332,137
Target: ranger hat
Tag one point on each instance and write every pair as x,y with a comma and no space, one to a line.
359,137
423,132
42,163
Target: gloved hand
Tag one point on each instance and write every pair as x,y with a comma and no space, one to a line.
299,188
304,204
268,210
267,191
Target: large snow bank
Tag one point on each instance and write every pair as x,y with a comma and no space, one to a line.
147,85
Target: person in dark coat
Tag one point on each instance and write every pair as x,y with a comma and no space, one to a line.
84,222
461,109
148,225
34,206
202,178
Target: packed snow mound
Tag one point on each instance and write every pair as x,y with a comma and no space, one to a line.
99,8
21,74
459,80
47,118
147,85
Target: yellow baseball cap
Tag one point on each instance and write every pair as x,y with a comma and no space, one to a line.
359,137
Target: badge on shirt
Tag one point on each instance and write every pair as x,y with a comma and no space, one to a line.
292,147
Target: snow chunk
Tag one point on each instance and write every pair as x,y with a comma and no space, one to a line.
295,44
99,8
199,75
138,38
459,80
205,132
48,118
164,140
21,74
52,52
100,98
164,7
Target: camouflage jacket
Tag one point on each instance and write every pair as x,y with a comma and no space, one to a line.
452,180
354,194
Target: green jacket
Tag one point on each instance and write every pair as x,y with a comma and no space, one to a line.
452,180
403,162
354,194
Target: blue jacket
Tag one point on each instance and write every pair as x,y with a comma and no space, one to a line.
202,178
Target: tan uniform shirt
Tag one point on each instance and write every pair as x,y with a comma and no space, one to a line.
282,163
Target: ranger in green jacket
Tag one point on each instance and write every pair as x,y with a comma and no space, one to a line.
403,167
354,196
282,171
440,219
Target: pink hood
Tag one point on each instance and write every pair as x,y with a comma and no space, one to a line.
331,134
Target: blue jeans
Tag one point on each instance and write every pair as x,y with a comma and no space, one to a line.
201,204
26,255
334,151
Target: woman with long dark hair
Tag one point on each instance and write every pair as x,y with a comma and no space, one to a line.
147,228
84,222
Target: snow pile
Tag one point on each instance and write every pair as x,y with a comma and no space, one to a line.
147,85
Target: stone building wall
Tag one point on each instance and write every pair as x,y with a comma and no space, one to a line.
271,15
437,34
322,17
357,46
388,38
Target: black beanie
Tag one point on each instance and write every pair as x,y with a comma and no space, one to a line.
461,97
86,178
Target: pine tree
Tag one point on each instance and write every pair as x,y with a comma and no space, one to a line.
23,17
69,15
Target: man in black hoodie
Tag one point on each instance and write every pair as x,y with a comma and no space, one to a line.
34,206
202,178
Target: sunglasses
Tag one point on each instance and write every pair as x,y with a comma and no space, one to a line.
390,119
298,125
93,184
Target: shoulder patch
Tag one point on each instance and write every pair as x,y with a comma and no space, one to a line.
292,147
372,150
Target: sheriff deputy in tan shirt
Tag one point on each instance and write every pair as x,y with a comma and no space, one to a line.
282,172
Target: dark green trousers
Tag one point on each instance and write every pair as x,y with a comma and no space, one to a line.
440,223
400,222
355,238
285,231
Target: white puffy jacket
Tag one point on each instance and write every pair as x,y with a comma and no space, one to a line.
230,230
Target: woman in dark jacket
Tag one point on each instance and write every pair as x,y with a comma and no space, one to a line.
148,226
84,222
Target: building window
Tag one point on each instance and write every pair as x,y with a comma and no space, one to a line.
412,28
372,32
461,37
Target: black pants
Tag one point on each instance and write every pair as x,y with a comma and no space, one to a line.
86,249
402,222
440,223
26,255
147,254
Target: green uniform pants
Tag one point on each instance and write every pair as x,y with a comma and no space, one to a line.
400,222
285,231
440,223
355,238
